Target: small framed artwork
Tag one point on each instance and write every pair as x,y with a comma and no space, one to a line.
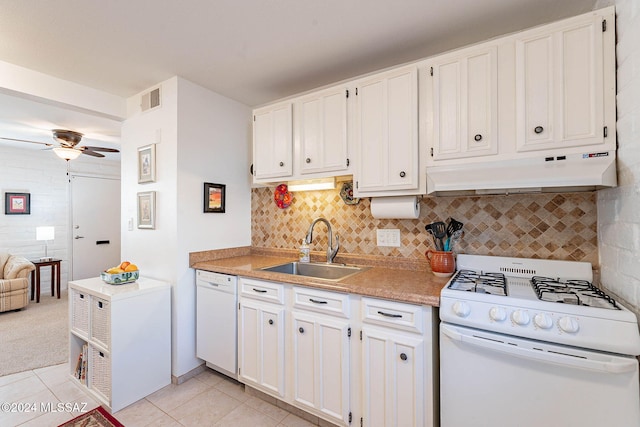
147,210
147,163
17,203
214,197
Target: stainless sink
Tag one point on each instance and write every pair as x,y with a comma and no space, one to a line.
318,270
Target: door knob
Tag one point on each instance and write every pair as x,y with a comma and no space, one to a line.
79,237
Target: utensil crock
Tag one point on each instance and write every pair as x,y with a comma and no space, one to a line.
443,263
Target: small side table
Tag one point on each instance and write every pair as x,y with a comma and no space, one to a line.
55,277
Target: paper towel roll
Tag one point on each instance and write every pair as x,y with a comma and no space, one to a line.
400,207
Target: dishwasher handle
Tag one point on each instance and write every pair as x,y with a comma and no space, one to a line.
614,365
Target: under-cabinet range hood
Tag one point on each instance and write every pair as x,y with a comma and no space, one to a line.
574,172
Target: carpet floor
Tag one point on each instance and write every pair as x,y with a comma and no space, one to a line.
36,336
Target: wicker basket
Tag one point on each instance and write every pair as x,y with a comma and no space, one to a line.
80,312
100,372
101,321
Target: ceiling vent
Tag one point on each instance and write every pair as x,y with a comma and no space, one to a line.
150,100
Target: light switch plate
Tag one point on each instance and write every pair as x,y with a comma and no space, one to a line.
388,237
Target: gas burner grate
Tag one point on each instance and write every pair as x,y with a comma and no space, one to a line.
479,282
575,292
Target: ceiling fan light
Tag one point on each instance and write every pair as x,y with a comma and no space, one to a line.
67,153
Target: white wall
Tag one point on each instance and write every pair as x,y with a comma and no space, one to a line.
619,208
42,174
201,137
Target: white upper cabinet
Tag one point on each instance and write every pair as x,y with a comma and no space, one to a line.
387,134
560,84
462,103
321,126
272,142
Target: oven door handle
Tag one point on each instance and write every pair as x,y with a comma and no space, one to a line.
615,365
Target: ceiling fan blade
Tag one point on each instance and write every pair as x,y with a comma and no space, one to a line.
106,150
26,140
92,153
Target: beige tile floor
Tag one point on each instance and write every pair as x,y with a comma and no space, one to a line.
208,399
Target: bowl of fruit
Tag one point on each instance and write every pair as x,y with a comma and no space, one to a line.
125,272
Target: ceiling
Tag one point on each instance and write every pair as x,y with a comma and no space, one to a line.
252,51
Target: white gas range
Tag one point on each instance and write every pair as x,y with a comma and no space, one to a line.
516,331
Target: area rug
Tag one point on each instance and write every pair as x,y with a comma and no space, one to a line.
98,417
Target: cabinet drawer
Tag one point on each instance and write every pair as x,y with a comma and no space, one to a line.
332,303
393,314
265,291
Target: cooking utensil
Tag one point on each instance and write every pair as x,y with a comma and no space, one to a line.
453,226
451,241
439,231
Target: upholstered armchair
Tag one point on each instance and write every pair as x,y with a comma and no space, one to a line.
14,281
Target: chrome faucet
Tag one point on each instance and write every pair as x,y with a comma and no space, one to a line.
331,251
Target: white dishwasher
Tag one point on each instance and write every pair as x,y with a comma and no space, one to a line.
216,321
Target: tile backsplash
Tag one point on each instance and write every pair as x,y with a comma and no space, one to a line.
554,226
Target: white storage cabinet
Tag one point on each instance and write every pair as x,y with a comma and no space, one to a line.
273,142
321,131
462,106
397,364
321,351
565,84
261,328
127,331
387,134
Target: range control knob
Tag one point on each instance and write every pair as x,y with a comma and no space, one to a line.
461,308
543,321
497,314
569,324
520,317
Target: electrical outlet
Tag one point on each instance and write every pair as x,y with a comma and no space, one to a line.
388,237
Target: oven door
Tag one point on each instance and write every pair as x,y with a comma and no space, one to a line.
489,379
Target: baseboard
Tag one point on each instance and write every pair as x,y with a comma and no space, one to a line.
184,377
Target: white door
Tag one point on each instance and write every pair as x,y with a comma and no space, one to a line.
394,378
273,141
261,345
387,121
321,364
95,225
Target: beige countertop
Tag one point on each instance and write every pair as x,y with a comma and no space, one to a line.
400,280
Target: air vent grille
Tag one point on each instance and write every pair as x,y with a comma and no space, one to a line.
527,271
150,100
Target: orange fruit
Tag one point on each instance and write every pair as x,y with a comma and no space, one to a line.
124,264
131,267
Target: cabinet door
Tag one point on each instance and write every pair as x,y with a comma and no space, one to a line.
322,128
464,104
393,378
321,364
387,121
261,345
560,87
272,142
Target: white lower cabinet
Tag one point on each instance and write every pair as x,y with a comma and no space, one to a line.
120,339
347,359
261,328
321,352
396,364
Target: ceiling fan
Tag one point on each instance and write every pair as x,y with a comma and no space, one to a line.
68,148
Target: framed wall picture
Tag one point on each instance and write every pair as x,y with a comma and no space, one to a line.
214,197
147,163
147,210
17,203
